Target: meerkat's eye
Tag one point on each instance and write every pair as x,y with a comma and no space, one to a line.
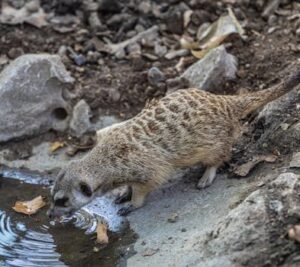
86,189
61,202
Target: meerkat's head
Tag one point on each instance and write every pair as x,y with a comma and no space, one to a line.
72,190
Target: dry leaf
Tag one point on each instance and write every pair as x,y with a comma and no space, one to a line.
269,158
213,43
216,34
29,207
149,252
187,17
238,26
294,232
244,169
101,230
56,145
188,43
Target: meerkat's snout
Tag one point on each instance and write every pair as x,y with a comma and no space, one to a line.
59,207
68,195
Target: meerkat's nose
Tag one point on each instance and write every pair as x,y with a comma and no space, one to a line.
50,214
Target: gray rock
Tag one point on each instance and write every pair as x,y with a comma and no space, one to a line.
273,115
79,59
160,50
240,227
17,3
174,18
274,109
15,52
295,162
270,8
80,122
155,76
210,72
31,99
145,7
109,5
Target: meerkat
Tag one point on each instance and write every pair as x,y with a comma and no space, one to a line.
184,128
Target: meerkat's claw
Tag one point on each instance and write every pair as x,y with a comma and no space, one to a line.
203,184
124,197
126,210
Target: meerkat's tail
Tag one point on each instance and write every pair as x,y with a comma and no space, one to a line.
250,102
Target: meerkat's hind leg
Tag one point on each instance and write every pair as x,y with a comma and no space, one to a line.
124,196
208,177
139,193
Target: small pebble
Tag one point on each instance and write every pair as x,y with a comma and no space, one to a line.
95,249
15,52
155,76
173,218
79,60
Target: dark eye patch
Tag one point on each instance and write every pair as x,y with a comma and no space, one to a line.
61,202
86,190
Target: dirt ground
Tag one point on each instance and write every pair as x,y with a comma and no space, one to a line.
120,86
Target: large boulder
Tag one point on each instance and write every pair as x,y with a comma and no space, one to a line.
31,98
210,72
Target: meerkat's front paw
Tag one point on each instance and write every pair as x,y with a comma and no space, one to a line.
126,210
208,177
203,183
126,196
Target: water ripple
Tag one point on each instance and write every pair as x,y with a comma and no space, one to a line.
27,248
24,175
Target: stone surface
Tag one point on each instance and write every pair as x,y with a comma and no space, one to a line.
80,121
225,225
295,160
273,115
199,213
31,99
210,72
41,160
155,76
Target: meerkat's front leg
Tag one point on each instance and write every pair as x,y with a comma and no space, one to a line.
208,177
139,193
125,196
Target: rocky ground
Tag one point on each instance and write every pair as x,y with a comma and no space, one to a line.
116,55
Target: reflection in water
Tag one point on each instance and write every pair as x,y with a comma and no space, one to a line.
22,247
101,209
